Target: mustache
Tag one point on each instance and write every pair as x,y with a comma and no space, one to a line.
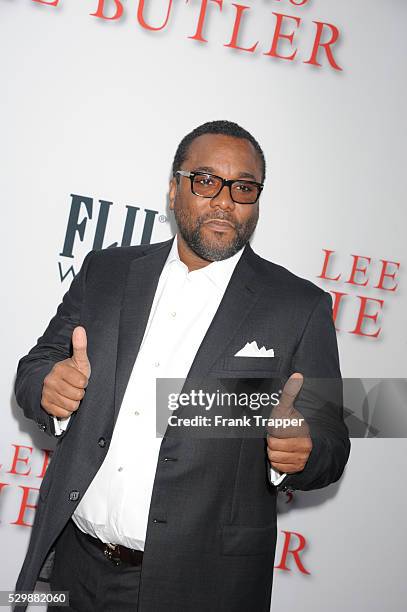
220,216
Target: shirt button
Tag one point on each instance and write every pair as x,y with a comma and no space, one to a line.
136,412
173,314
120,469
156,364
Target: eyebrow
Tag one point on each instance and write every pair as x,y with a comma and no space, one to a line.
211,170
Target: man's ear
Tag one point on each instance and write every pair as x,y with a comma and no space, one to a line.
172,192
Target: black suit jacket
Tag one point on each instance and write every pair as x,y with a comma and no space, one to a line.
211,532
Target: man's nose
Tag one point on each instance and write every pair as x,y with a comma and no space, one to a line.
223,199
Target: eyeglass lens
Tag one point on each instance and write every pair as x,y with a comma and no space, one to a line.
208,186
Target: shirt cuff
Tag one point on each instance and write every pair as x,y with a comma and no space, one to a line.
276,476
60,425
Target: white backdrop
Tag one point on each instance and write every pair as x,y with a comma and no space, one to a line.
96,108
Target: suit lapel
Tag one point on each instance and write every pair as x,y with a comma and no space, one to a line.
241,295
141,284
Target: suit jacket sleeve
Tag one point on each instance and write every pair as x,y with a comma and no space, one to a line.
53,346
320,401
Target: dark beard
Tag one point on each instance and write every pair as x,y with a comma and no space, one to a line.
214,252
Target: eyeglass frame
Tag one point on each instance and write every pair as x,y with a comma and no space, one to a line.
227,182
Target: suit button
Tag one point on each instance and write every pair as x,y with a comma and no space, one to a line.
102,442
42,426
74,496
166,459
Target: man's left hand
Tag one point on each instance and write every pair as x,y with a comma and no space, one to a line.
288,448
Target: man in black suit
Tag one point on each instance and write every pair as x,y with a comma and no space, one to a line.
188,523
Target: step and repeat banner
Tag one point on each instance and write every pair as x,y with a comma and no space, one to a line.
96,95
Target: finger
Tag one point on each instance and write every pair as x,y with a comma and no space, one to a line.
60,401
56,411
280,457
298,459
288,444
290,391
79,348
67,390
299,428
285,467
74,377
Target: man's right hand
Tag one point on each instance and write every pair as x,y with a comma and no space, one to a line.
65,385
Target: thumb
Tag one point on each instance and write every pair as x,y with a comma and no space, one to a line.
79,346
285,409
291,389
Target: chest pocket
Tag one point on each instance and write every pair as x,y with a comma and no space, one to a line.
247,367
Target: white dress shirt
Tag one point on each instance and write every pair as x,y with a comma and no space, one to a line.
115,507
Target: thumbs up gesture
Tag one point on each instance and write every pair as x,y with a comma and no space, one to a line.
289,447
65,385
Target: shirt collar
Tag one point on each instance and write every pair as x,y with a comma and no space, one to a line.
219,272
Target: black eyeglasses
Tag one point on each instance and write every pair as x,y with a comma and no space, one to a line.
210,185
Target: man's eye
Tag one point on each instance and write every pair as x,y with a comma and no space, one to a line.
244,187
205,181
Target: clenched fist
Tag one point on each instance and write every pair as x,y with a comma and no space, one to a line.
65,385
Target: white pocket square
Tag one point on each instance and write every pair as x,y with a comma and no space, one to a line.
252,350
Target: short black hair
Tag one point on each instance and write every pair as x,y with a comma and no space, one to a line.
228,128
